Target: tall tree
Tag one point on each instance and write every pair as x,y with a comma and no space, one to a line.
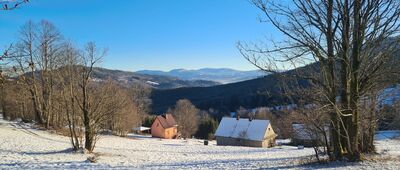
36,56
347,45
68,77
186,115
90,57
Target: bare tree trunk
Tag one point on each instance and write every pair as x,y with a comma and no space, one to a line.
344,65
354,83
36,105
331,77
89,136
2,97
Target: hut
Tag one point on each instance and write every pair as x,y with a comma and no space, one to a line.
164,126
245,132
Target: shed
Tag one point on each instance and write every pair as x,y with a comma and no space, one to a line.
309,135
164,126
141,129
245,132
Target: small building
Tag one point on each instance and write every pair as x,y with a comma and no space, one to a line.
245,132
141,130
309,136
164,126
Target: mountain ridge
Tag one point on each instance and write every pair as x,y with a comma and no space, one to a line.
155,81
221,75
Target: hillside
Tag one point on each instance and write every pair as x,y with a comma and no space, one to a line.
221,75
24,147
263,91
155,81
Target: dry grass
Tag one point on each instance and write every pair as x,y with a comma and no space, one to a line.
381,158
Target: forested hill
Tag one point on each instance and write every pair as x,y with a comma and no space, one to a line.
263,91
154,81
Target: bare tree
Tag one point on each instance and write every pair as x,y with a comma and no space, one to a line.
186,115
264,113
6,5
140,94
36,56
315,126
127,112
358,35
68,77
14,101
90,57
11,5
242,112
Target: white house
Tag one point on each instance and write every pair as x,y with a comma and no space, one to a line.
245,132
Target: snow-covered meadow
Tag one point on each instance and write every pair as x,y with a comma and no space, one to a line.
23,147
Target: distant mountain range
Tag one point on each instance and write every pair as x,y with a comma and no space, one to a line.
263,91
155,81
220,75
259,92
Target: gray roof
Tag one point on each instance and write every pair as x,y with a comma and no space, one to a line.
242,128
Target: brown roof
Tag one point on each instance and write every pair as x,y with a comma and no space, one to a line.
167,120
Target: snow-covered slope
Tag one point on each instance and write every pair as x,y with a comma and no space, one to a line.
22,147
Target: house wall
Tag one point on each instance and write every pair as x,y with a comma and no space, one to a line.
269,137
225,141
170,133
157,130
270,132
269,140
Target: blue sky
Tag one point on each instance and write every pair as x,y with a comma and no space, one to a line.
150,34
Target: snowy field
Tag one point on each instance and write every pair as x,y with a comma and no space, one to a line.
22,147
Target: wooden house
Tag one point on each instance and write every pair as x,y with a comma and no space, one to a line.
164,126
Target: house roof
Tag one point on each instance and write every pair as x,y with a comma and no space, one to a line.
167,120
242,128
